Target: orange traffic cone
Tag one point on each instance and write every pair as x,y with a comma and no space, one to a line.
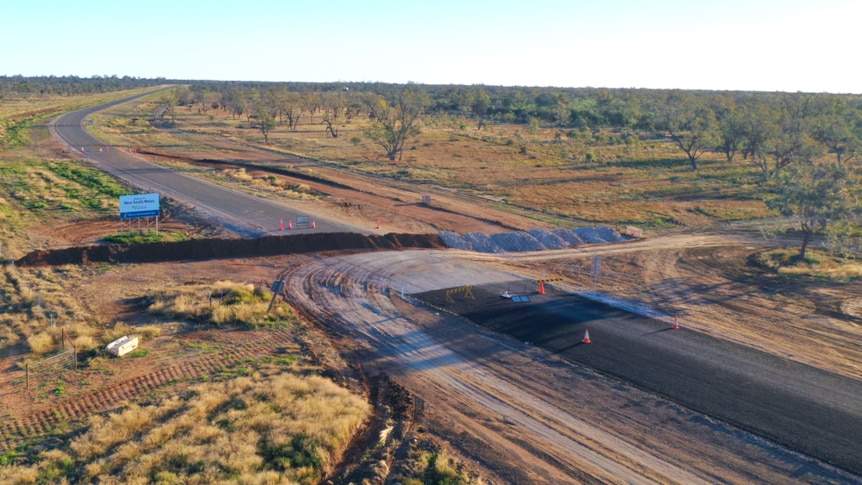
378,223
586,339
313,225
281,224
542,288
675,323
290,224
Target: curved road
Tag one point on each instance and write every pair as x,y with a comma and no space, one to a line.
245,214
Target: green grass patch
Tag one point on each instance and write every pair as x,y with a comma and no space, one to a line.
52,187
140,353
137,237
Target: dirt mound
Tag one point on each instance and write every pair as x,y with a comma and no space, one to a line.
227,248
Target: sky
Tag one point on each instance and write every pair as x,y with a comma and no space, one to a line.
754,45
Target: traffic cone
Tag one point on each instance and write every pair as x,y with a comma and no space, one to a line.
586,339
542,288
675,323
378,223
290,223
313,225
281,224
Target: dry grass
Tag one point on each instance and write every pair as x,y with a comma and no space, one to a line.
816,264
434,466
270,427
223,302
39,306
41,343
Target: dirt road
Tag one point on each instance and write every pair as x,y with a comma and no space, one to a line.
528,416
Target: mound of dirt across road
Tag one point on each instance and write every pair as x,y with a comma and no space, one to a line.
535,240
227,248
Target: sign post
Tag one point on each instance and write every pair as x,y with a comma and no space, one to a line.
597,267
140,206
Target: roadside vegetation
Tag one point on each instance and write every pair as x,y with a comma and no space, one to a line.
274,425
815,264
221,303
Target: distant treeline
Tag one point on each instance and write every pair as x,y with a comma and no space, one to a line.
72,85
770,128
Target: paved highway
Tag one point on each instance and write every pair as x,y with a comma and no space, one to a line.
246,214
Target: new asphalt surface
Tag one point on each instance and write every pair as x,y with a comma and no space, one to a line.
801,407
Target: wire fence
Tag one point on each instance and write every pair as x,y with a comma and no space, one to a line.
51,369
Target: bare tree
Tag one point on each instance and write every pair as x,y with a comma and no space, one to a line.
332,110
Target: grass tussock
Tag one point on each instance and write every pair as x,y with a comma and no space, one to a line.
435,466
270,427
221,303
816,264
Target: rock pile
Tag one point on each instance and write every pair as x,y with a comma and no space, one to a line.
535,240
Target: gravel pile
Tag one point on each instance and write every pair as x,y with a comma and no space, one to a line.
481,243
454,240
551,240
569,236
535,240
517,241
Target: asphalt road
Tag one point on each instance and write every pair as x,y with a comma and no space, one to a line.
246,214
803,408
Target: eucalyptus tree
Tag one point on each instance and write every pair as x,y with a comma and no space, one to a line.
757,123
816,196
395,118
691,124
838,127
791,142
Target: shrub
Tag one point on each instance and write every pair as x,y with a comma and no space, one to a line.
85,342
41,342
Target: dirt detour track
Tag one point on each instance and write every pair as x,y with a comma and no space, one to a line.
806,409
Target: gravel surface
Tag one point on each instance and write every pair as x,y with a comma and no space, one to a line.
535,240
